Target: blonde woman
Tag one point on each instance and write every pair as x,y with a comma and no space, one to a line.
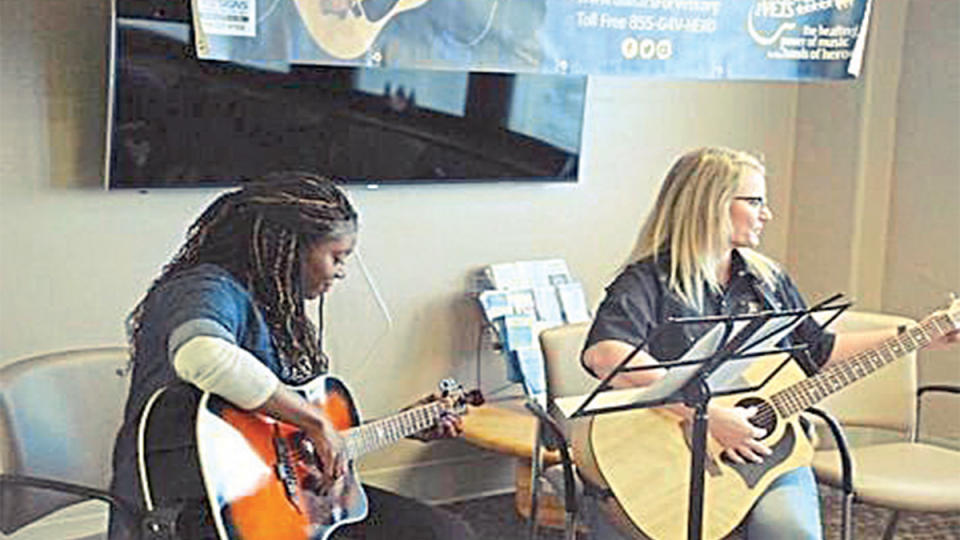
696,255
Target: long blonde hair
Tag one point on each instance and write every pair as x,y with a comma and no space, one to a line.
691,221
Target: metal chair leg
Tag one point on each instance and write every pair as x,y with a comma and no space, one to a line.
535,465
846,466
846,523
570,526
569,483
891,525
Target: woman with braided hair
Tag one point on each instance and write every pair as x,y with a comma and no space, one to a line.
227,316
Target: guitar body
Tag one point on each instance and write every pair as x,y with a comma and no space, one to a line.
351,34
645,458
644,455
257,475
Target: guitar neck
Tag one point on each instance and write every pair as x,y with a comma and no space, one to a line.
839,375
386,431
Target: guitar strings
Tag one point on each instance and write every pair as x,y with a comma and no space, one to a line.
844,373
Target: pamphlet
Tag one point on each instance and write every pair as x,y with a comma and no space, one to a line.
573,302
527,297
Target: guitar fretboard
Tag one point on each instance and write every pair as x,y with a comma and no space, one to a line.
384,432
835,377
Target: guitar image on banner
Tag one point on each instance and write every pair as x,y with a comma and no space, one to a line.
347,32
644,454
260,477
346,29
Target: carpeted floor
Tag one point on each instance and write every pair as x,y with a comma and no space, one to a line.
494,518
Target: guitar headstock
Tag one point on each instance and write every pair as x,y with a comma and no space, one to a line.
947,321
453,393
953,312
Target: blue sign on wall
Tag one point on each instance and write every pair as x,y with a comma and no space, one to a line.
678,39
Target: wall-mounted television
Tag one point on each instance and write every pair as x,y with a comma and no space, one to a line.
176,121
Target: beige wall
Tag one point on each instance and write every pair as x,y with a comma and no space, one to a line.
876,188
923,257
74,259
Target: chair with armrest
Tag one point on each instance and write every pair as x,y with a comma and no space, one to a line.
888,465
565,376
577,476
59,414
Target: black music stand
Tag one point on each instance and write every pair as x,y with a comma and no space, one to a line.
732,339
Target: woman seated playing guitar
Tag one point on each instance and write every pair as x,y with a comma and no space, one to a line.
226,315
696,255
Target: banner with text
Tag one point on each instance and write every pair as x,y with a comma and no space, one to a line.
696,39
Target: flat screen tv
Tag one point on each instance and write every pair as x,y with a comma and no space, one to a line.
176,121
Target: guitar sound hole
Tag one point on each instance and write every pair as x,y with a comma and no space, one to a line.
765,417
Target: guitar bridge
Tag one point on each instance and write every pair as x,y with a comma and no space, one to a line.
285,471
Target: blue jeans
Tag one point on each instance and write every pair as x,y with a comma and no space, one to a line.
789,508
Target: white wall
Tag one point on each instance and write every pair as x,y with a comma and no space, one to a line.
74,259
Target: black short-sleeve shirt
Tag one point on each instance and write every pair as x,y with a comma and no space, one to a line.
639,301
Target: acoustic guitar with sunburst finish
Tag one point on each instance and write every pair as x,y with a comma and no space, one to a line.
260,477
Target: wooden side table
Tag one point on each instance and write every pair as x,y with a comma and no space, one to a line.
507,427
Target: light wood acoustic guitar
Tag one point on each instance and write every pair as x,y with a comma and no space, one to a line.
349,34
644,455
260,477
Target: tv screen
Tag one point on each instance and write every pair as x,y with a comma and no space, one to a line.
176,121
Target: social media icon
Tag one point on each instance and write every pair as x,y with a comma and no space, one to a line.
664,49
647,49
629,48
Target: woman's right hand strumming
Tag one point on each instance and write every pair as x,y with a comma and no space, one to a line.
328,445
329,448
731,428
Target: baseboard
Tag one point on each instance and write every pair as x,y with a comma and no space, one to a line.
949,442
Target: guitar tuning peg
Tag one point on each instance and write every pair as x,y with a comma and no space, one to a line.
475,398
448,385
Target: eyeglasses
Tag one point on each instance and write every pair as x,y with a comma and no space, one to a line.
754,201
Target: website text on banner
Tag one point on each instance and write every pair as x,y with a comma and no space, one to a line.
690,39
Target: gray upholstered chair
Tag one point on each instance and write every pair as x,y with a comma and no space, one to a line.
879,414
561,348
59,414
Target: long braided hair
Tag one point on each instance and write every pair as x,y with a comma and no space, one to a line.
258,234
